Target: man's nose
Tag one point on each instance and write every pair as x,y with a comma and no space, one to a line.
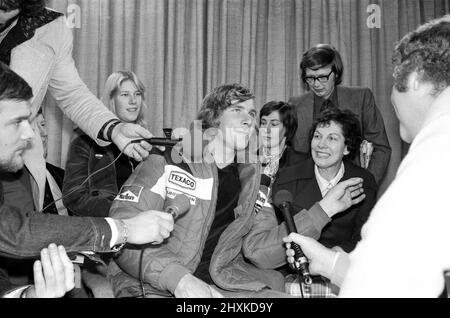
248,120
27,131
317,83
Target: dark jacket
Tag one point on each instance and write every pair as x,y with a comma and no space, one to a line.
344,229
95,196
291,157
24,233
361,102
264,245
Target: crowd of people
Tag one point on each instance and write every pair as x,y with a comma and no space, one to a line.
108,206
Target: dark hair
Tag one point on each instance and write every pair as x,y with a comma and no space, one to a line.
288,116
219,99
26,7
349,123
425,51
12,86
322,55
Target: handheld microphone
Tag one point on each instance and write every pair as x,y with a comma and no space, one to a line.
283,200
159,141
178,206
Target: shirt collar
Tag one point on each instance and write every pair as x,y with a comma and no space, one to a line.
5,32
333,98
325,185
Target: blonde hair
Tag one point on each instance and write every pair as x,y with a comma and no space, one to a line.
112,87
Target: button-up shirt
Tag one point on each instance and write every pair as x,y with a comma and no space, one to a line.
325,185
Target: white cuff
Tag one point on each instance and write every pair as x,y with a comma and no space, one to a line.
114,232
15,293
336,256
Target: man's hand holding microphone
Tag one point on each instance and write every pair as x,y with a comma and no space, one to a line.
152,226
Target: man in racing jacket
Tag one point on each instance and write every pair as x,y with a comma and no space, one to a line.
204,255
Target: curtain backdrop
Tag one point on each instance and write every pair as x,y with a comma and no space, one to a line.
181,49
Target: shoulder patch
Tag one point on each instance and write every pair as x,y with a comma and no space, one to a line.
129,193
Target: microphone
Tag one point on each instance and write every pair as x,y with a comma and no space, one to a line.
178,206
283,200
159,141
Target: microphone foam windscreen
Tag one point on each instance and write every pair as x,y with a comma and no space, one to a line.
182,202
281,197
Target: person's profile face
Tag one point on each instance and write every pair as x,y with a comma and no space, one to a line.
328,145
128,102
321,81
237,124
15,133
42,126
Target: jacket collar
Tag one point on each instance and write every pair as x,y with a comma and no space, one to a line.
305,170
24,30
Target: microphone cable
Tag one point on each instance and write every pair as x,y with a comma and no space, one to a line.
141,274
87,179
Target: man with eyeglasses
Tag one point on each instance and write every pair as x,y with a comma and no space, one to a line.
321,72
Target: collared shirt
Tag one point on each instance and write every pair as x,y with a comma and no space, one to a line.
318,102
56,194
325,185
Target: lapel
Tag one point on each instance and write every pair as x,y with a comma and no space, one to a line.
308,191
305,112
301,182
350,99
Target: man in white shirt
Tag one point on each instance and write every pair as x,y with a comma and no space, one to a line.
405,246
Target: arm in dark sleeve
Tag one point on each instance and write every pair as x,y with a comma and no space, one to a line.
23,235
264,247
81,199
5,283
375,132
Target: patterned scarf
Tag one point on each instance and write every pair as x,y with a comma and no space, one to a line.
24,30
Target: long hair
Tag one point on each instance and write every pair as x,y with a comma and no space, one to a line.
322,55
219,99
112,87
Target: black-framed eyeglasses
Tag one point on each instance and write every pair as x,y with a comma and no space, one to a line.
311,80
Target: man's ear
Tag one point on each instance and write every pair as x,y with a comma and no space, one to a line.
416,84
414,81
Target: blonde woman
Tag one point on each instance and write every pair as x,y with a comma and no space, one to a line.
124,96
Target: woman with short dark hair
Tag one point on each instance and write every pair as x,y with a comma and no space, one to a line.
321,72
